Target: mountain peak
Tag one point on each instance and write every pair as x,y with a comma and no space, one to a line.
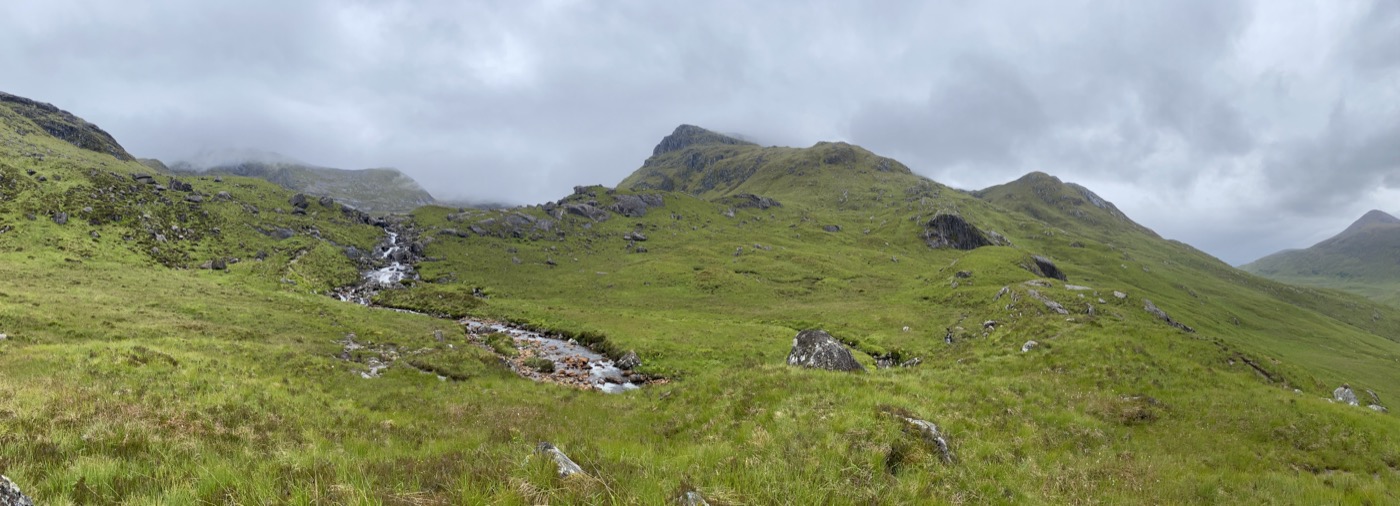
689,135
1371,218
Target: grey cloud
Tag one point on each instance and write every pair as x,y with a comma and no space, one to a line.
1158,105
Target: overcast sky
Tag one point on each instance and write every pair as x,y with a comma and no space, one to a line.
1240,127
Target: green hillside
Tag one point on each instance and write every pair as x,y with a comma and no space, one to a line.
370,190
133,376
1363,259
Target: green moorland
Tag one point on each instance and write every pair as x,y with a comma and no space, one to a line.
1361,259
130,375
382,190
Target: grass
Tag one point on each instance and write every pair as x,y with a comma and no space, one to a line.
131,377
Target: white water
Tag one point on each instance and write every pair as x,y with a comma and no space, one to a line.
603,374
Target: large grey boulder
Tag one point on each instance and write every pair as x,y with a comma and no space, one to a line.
818,350
10,494
1344,394
299,201
948,230
1044,267
635,206
566,466
587,211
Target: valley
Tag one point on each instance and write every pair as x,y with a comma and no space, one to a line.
132,373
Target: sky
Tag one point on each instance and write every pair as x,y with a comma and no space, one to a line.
1241,127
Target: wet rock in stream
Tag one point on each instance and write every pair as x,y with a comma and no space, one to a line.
574,364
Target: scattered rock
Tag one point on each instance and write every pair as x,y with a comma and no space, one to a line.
1344,394
1152,308
1054,306
817,349
952,231
194,198
1378,407
1030,345
10,494
566,466
223,196
299,201
749,200
832,228
1120,295
962,274
60,218
326,202
635,236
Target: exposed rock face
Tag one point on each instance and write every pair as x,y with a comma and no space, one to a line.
65,126
1344,394
1152,308
587,211
1044,267
749,200
689,135
635,206
818,350
952,231
566,466
10,494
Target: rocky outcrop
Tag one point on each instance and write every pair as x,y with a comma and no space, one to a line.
566,466
948,230
685,136
749,200
926,431
587,211
10,495
818,350
65,126
635,206
1162,315
1044,267
1051,304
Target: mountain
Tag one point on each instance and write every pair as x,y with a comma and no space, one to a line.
1364,258
1064,357
371,190
61,125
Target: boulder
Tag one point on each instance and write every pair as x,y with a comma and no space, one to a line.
326,202
194,198
60,218
10,495
1162,315
817,349
1030,345
948,230
832,228
692,498
566,466
629,361
299,201
223,195
635,206
635,236
930,434
587,211
1344,394
1044,267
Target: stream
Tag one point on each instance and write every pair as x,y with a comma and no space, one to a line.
574,365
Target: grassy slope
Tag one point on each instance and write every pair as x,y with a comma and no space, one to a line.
376,191
125,380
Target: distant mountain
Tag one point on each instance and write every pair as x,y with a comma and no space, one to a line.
382,190
1065,205
1364,258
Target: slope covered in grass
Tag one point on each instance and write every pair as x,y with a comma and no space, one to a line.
139,378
